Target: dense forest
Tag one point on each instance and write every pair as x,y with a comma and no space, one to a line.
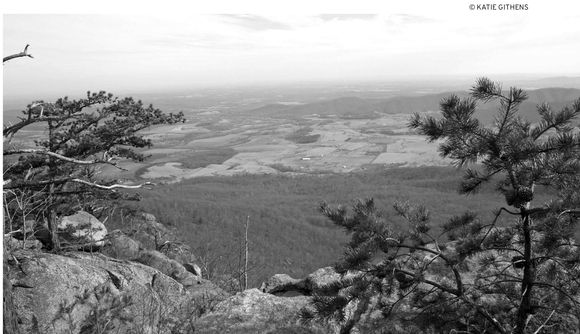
287,232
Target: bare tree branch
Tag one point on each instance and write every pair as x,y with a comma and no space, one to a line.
573,212
113,186
545,322
459,294
62,157
439,286
450,264
18,55
18,185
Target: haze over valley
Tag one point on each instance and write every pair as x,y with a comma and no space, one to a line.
302,129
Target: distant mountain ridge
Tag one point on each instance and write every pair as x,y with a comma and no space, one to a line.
356,107
360,107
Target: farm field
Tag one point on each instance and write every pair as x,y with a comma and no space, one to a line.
310,145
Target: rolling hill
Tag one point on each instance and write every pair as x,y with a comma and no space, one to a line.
356,107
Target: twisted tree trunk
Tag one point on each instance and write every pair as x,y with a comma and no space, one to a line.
525,306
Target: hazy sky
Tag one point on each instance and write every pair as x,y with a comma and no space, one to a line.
180,48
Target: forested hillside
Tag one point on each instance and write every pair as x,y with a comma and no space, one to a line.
287,233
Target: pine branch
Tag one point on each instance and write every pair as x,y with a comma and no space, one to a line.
402,297
450,263
485,90
441,287
487,315
560,290
551,121
561,143
473,180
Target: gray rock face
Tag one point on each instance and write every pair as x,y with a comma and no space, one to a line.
321,278
78,292
192,268
29,243
172,269
178,251
120,246
143,232
162,263
282,283
253,311
148,231
81,229
151,234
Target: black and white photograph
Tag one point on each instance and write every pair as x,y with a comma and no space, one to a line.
343,167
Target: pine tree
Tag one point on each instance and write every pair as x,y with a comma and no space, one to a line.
522,276
58,172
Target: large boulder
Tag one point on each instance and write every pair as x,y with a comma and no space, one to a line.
145,228
253,311
175,270
79,292
317,282
151,234
282,284
81,230
164,264
31,242
120,246
321,278
193,268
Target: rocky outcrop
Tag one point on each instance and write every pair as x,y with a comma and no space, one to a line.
317,282
130,288
122,247
169,267
143,234
192,268
81,230
254,311
77,292
281,284
151,234
320,279
11,243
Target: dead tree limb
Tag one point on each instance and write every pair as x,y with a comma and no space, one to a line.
113,186
246,254
18,55
34,184
62,157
